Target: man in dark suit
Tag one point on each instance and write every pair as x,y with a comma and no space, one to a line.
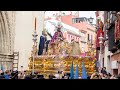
42,42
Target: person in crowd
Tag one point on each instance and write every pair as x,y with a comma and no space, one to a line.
63,77
28,77
0,71
50,76
14,75
40,77
57,76
88,77
109,75
1,74
21,75
79,77
2,77
7,74
104,70
96,75
105,76
118,76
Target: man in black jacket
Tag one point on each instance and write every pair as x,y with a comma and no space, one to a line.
103,71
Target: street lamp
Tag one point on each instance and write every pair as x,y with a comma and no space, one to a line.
90,20
100,54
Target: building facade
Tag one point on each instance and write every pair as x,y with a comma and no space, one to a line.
7,28
110,48
114,43
69,32
105,55
88,32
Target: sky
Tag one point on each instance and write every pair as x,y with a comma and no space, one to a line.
87,14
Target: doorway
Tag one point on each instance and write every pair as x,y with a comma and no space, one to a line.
115,71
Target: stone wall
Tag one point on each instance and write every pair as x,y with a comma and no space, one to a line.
6,37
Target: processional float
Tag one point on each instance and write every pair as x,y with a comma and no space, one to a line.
61,60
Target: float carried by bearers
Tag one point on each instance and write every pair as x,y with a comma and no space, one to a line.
57,55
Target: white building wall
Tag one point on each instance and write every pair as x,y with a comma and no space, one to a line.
107,62
24,29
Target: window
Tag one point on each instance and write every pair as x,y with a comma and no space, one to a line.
91,39
88,37
68,37
82,34
111,17
76,38
82,49
98,22
73,20
108,18
103,63
77,20
71,37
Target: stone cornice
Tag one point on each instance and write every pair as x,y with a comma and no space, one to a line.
91,30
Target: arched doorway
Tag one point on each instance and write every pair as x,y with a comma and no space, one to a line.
5,41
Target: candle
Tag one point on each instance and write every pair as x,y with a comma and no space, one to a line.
35,23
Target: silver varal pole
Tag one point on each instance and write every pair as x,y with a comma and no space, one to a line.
34,40
100,56
100,53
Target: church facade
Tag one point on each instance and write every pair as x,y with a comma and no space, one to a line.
7,29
